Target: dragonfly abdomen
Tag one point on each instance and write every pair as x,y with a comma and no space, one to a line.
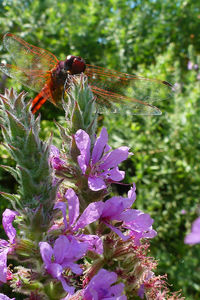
40,99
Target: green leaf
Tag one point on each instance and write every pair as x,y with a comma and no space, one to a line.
13,199
11,170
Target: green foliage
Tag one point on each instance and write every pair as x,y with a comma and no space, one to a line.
20,131
166,170
157,38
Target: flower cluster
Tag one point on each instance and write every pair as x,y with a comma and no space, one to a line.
74,241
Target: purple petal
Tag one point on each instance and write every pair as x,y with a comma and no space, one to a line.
8,218
74,267
99,145
73,206
131,193
149,234
82,140
46,252
190,65
57,163
194,236
115,206
54,151
95,243
137,220
92,213
128,202
118,232
140,235
55,270
82,163
96,183
66,287
4,297
130,215
117,289
115,157
103,278
137,236
3,265
196,226
75,251
62,206
4,244
116,174
112,208
54,158
143,222
141,291
101,287
61,246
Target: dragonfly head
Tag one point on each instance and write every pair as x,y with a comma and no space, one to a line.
74,64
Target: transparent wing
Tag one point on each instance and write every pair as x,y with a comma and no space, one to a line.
28,57
136,92
116,103
32,78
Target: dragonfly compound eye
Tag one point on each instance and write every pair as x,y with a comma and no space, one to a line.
74,64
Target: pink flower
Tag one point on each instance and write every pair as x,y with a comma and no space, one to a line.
99,164
194,236
138,223
7,247
77,222
102,286
54,158
190,65
61,256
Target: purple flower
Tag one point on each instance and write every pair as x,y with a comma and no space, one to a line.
101,287
7,247
119,209
3,264
190,65
101,167
139,224
76,223
114,209
176,87
194,236
62,256
4,297
54,158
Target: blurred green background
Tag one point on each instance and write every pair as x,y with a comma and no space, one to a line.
154,38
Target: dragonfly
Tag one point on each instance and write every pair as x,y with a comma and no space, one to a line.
42,72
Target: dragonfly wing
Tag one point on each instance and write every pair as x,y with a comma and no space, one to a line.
132,86
27,56
32,78
116,102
